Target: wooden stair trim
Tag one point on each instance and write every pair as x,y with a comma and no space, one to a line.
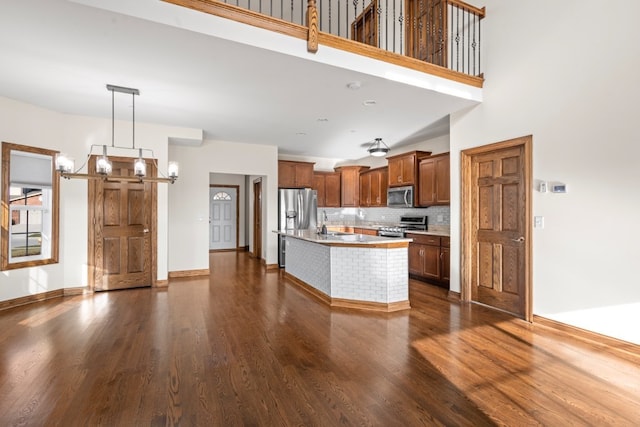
238,14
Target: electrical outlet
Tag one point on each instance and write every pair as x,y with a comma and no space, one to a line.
538,222
440,218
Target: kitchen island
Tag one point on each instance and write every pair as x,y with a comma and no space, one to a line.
350,270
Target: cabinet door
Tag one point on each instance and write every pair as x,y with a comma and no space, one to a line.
350,187
427,187
365,189
332,190
374,193
442,188
431,256
304,175
286,175
384,185
446,263
416,262
395,172
408,169
319,184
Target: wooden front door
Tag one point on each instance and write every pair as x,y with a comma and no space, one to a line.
426,30
122,229
496,226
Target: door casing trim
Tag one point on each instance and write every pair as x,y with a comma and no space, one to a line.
466,232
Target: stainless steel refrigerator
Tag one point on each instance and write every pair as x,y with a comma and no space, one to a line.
297,210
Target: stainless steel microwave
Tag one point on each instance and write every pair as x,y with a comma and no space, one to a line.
400,197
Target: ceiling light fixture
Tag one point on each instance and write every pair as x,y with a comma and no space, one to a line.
65,164
378,148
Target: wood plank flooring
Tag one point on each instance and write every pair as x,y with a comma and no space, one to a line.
244,347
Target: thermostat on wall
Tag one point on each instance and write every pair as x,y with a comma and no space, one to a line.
558,188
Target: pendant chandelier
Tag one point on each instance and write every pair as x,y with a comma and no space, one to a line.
378,148
65,164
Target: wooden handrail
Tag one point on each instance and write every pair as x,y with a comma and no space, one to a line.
238,14
468,7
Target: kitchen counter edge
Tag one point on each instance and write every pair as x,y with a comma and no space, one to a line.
343,239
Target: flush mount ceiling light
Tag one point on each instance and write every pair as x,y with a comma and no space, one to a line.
65,164
378,148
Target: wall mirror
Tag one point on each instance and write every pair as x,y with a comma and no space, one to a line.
30,216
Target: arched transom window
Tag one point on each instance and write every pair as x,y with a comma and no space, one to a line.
221,195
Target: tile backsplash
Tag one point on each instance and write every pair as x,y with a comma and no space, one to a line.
439,217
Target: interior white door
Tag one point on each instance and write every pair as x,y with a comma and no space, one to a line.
222,217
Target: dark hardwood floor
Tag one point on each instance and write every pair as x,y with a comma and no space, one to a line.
246,347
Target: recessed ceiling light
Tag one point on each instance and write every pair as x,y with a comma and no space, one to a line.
354,85
369,103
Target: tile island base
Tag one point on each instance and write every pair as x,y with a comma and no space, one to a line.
351,271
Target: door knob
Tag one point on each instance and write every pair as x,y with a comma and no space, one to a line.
519,239
146,230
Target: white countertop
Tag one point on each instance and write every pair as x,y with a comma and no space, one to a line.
340,238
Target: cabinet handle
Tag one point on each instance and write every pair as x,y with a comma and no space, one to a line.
519,239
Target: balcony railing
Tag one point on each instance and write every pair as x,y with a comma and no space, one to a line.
441,33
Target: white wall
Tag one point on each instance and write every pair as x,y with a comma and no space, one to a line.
30,125
189,201
566,73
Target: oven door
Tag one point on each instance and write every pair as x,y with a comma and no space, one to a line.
400,197
397,234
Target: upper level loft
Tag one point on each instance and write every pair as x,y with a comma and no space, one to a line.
438,37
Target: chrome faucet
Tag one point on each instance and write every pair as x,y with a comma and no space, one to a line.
324,216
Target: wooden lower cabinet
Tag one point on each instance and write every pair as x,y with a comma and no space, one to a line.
446,260
429,259
369,231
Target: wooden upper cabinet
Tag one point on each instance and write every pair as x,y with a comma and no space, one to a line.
403,168
365,189
327,184
373,187
350,184
295,174
434,180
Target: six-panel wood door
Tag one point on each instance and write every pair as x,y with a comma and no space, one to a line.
121,220
498,223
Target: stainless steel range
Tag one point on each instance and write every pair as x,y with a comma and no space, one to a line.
406,223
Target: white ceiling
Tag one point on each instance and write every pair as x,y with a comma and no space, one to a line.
194,70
